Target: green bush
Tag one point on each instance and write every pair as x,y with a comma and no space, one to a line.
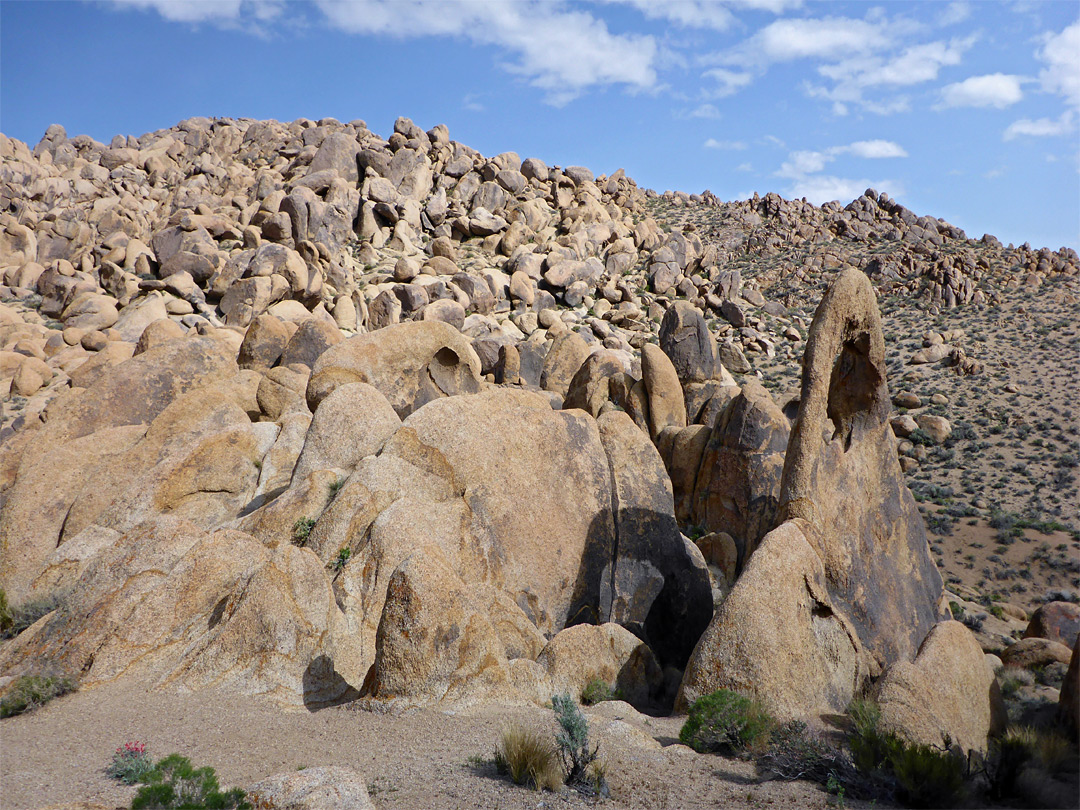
597,691
301,530
726,722
33,691
526,755
335,488
343,555
1008,756
175,785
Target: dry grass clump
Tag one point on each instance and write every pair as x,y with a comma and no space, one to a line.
528,756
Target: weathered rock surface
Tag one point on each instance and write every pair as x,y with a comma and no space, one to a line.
948,690
778,636
410,364
841,475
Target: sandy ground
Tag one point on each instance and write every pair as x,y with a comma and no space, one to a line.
417,759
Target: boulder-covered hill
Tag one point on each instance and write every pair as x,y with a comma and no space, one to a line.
299,410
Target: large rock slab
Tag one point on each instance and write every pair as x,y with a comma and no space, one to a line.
324,788
353,422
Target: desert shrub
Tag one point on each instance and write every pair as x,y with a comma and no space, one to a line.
174,784
929,776
726,722
527,755
33,691
26,613
920,775
920,436
597,691
1012,679
572,740
796,752
301,530
1009,754
131,764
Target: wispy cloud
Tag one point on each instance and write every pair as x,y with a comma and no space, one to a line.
1060,53
736,146
821,189
826,38
998,90
912,65
1041,127
852,56
955,13
727,82
805,162
705,111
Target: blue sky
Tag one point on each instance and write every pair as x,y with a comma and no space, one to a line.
966,111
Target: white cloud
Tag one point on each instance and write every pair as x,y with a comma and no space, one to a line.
187,10
687,13
705,111
876,149
1061,53
821,189
562,52
831,37
955,13
915,64
744,167
803,168
1041,127
998,90
803,162
712,143
728,82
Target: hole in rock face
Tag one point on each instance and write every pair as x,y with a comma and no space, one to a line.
447,357
853,387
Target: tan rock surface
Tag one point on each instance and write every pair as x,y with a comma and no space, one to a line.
947,690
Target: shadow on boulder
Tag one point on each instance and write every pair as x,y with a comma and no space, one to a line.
324,687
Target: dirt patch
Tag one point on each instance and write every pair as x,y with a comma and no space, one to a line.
415,759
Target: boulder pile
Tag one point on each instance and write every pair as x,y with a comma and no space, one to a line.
307,412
